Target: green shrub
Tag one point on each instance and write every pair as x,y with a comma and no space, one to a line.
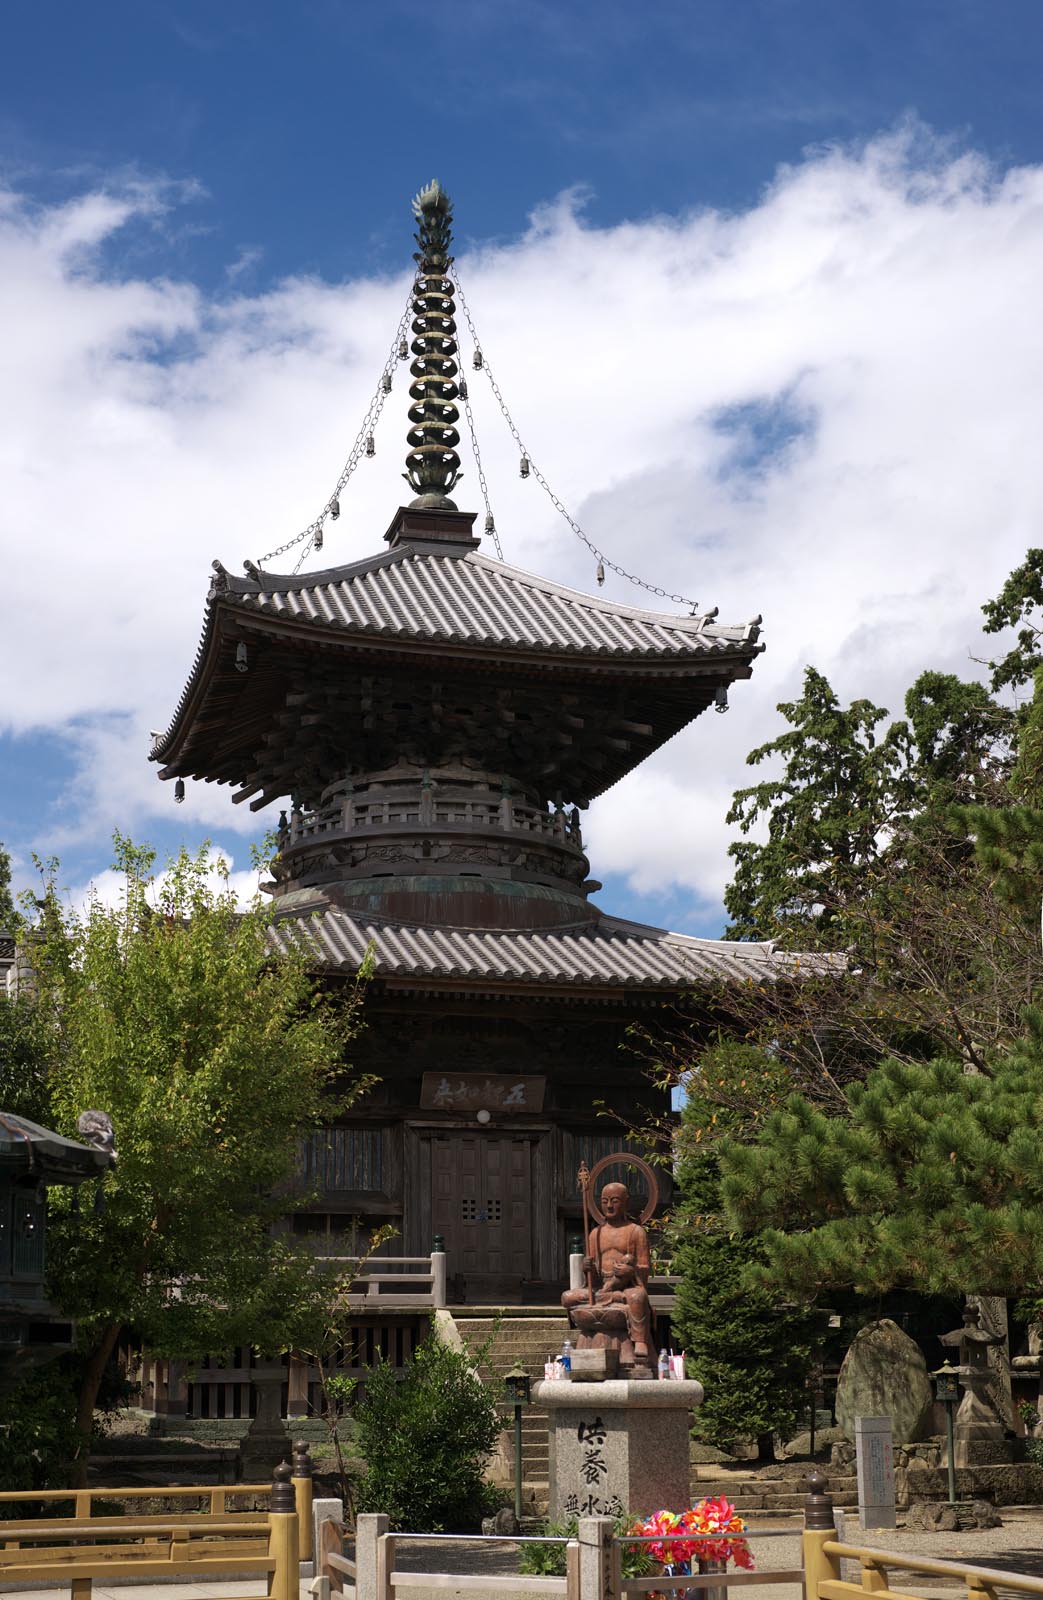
425,1437
38,1437
541,1560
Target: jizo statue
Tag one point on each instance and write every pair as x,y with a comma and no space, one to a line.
614,1309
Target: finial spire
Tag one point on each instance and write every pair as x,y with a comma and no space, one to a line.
432,463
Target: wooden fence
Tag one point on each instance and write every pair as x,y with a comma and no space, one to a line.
90,1525
593,1561
77,1551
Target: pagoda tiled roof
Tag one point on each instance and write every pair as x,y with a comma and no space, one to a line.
451,595
609,954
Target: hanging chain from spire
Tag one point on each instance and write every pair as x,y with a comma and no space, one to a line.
490,521
432,465
481,363
312,535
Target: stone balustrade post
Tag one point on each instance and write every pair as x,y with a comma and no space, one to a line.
595,1558
370,1579
438,1284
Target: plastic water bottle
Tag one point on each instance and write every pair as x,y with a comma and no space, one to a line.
566,1356
664,1364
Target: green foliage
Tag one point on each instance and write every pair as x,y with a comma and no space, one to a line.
425,1438
851,800
750,1350
8,917
24,1088
548,1560
38,1437
934,1179
212,1057
1018,605
839,786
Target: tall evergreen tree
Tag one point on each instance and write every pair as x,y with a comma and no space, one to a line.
749,1349
1019,605
841,786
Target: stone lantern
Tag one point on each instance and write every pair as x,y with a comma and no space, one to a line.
981,1435
32,1158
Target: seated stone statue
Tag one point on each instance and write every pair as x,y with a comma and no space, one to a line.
618,1259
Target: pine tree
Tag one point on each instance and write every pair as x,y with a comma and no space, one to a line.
841,786
934,1180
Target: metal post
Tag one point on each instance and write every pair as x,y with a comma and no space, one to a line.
950,1434
518,1460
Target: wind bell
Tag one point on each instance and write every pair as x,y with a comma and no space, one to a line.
371,448
478,360
523,468
316,538
601,573
385,383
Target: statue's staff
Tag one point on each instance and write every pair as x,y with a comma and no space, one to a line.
584,1179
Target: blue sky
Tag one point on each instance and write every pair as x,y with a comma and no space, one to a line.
206,241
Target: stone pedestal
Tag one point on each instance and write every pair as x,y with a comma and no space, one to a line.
617,1446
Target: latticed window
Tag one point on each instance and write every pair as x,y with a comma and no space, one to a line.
343,1159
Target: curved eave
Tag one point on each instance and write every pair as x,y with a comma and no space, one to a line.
214,689
611,960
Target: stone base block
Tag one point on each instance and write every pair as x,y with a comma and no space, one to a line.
983,1452
619,1446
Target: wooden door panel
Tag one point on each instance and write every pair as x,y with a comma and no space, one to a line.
481,1203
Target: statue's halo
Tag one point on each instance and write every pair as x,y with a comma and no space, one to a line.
625,1158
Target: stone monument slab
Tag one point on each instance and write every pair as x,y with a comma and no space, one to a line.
874,1464
617,1446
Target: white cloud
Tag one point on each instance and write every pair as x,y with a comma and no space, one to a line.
878,306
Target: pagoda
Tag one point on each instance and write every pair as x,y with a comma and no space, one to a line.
435,721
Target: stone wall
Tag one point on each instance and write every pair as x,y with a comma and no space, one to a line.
921,1474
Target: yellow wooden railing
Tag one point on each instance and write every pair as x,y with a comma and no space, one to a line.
77,1551
83,1520
824,1552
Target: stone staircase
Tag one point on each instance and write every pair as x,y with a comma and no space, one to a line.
769,1491
528,1337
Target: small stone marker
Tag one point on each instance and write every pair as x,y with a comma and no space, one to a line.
874,1463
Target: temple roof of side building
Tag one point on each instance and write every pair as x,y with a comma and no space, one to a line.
609,954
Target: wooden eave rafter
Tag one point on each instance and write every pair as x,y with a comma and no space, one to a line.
251,710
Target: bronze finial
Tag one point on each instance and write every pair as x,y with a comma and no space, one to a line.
432,464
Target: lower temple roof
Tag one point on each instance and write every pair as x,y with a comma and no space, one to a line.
609,954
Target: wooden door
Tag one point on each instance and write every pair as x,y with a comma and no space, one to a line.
482,1205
